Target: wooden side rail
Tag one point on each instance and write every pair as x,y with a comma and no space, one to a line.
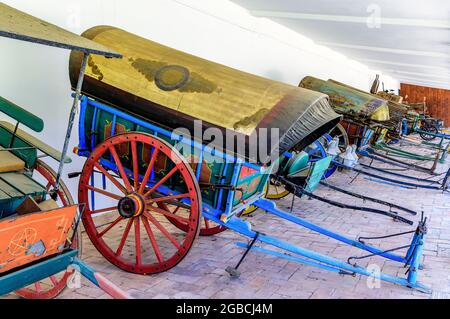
20,115
34,142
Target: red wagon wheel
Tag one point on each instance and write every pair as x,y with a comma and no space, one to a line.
55,284
130,203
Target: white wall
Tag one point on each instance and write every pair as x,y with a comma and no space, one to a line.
36,77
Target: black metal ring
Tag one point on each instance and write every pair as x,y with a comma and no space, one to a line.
184,77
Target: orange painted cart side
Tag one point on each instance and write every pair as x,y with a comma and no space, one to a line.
38,219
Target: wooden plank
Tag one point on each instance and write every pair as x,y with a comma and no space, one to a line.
10,162
4,196
35,142
19,25
438,100
9,190
21,149
22,183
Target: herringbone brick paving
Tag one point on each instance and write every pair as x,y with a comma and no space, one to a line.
202,273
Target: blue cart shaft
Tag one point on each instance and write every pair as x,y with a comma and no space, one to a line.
309,257
33,273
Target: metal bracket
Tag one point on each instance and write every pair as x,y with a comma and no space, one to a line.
234,272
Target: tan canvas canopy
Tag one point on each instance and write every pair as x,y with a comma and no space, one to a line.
174,89
19,25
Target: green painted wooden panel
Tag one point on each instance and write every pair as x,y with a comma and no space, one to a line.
318,170
212,169
34,142
29,156
11,198
21,115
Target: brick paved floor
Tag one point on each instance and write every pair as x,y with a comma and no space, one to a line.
202,273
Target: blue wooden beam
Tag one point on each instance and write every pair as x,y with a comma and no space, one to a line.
31,274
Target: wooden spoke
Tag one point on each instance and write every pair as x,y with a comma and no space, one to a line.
135,164
38,286
124,237
137,241
166,198
176,210
111,178
167,213
162,230
152,238
110,226
54,280
161,181
103,210
103,192
149,170
119,165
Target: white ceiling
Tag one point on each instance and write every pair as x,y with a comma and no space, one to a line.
407,39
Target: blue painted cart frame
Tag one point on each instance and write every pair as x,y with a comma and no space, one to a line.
228,217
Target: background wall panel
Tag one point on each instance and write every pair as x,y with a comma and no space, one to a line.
438,100
36,77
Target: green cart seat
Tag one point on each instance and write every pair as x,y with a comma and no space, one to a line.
20,115
10,162
15,187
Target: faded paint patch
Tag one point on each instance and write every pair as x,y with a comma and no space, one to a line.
147,68
37,249
251,121
196,83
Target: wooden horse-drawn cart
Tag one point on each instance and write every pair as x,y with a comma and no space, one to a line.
372,123
155,176
39,237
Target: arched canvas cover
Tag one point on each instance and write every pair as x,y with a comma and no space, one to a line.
348,101
397,111
173,88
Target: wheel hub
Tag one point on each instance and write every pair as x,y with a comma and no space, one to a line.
131,206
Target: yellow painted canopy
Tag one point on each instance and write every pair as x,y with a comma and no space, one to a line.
174,88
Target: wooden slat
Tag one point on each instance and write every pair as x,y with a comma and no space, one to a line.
22,183
438,100
10,162
22,26
3,195
34,142
9,190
